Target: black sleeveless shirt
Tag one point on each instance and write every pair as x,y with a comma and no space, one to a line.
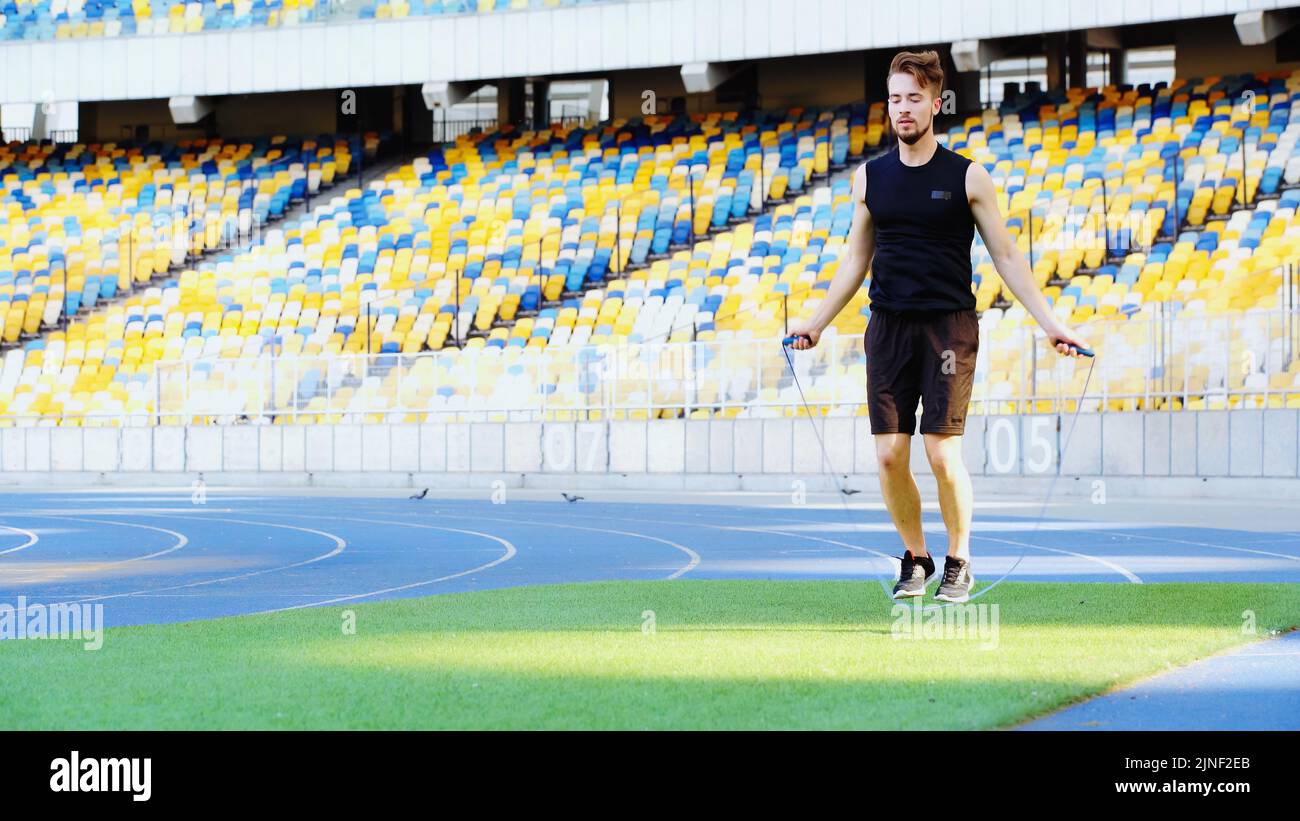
924,230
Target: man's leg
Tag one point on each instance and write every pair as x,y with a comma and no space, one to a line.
956,498
893,390
947,375
902,497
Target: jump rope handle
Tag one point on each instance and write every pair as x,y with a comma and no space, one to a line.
1080,351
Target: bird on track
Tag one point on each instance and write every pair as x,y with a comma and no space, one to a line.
848,491
569,498
421,494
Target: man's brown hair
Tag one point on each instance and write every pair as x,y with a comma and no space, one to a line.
923,65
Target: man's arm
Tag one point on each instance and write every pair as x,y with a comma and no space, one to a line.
1010,263
859,249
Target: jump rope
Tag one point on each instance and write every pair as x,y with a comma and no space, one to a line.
1042,514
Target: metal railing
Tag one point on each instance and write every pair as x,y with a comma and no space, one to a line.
1151,361
22,134
448,130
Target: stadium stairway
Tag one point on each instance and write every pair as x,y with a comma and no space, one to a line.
373,157
117,267
837,172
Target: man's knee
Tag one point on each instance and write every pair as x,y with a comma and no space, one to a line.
893,455
944,455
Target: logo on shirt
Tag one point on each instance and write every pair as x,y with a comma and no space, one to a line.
940,195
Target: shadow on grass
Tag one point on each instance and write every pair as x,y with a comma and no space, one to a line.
721,654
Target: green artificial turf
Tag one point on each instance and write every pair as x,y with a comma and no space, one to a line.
722,654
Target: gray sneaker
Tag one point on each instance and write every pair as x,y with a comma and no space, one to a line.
957,581
914,574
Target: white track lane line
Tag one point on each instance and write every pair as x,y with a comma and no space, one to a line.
1290,556
883,555
1120,569
894,560
32,539
340,546
181,539
505,557
1132,577
126,511
730,527
694,558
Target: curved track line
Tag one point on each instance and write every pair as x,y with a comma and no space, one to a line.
32,539
733,527
181,538
1132,577
805,536
340,546
1116,568
510,553
1289,556
881,554
1120,569
694,558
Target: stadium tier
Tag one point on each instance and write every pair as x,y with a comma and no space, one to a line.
63,19
1062,161
346,314
377,268
79,224
83,225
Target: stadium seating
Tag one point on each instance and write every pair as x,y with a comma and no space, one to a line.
81,225
86,222
376,267
1099,178
522,271
67,19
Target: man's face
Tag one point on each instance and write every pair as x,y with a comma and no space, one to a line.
911,107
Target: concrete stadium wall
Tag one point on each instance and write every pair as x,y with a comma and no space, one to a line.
537,42
1189,447
1205,48
806,81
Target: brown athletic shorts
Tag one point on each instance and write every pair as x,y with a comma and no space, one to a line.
925,357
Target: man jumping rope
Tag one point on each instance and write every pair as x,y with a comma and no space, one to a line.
915,214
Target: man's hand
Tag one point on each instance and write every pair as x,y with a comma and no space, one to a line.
1062,338
808,334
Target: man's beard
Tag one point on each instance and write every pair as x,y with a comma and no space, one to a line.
915,136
